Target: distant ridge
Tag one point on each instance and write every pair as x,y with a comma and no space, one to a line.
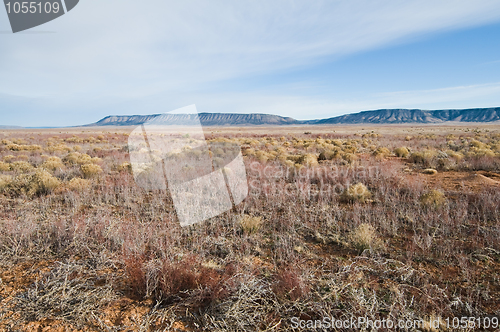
10,127
206,119
396,116
383,116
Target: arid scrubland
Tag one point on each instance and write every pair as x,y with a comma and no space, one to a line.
360,222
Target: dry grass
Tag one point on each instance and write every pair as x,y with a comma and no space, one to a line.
101,254
250,224
66,293
365,237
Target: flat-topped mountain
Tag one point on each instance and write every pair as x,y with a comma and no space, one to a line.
206,119
387,116
384,116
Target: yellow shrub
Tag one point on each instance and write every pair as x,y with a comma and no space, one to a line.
61,147
250,224
40,182
433,198
356,192
330,154
382,152
455,155
17,147
262,156
349,157
125,167
477,152
426,157
336,142
309,160
9,158
21,166
478,144
248,152
5,181
402,152
78,158
429,171
4,167
90,170
52,163
365,237
78,184
350,149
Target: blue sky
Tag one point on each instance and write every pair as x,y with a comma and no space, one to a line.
304,59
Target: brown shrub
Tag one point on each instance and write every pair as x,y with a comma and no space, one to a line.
172,281
289,284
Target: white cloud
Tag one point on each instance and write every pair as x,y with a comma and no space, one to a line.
109,52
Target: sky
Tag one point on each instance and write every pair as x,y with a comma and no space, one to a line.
303,59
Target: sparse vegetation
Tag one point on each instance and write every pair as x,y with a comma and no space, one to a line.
344,224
